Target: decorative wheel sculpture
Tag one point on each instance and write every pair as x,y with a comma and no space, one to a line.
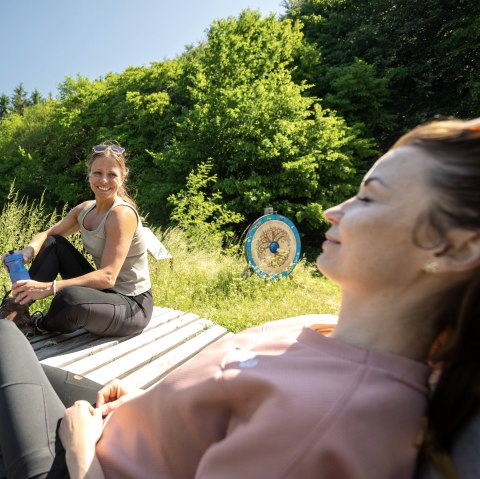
272,246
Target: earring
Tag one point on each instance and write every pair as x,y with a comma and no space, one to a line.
431,267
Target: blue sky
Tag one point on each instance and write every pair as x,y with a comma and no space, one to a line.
43,41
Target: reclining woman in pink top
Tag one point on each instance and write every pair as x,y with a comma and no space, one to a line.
284,401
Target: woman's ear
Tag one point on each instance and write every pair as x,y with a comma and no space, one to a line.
463,254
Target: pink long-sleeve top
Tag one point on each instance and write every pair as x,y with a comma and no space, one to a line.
277,401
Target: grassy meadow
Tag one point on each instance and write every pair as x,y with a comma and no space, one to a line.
211,285
205,281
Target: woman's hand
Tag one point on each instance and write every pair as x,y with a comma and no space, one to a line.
28,254
113,395
26,290
79,432
81,426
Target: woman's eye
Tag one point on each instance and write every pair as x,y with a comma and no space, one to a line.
365,199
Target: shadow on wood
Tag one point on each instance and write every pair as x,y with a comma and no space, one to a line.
171,338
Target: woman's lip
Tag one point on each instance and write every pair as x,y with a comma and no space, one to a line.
327,243
331,240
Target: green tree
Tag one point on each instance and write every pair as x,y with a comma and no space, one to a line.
54,137
35,97
24,145
269,142
201,215
4,105
138,108
424,58
360,96
237,99
19,99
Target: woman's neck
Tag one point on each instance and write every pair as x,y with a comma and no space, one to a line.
102,206
395,325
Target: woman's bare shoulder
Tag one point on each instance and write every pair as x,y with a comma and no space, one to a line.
76,210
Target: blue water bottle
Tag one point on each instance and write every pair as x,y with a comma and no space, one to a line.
16,268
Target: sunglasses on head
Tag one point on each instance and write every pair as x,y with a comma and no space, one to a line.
115,148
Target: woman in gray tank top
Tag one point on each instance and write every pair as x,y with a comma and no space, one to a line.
114,297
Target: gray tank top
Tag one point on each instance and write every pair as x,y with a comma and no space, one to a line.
133,278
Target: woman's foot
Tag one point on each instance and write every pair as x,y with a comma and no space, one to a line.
37,321
18,313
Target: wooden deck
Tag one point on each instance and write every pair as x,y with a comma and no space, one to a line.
171,338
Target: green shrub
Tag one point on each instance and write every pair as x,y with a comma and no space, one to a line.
203,218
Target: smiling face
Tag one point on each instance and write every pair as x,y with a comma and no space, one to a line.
370,243
105,177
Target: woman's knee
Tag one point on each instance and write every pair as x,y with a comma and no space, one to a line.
52,241
58,242
72,296
65,313
7,327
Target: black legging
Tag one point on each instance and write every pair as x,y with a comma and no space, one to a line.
32,402
106,313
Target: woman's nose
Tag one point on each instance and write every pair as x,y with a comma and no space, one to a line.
334,214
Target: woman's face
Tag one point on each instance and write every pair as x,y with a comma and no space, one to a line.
105,177
370,243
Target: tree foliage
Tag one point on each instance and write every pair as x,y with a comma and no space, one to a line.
4,105
274,112
203,217
269,143
424,57
19,99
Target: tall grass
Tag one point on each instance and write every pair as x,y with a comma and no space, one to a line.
201,280
20,220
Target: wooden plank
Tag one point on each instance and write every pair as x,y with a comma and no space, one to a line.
152,372
126,364
53,338
170,339
81,363
66,353
82,342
